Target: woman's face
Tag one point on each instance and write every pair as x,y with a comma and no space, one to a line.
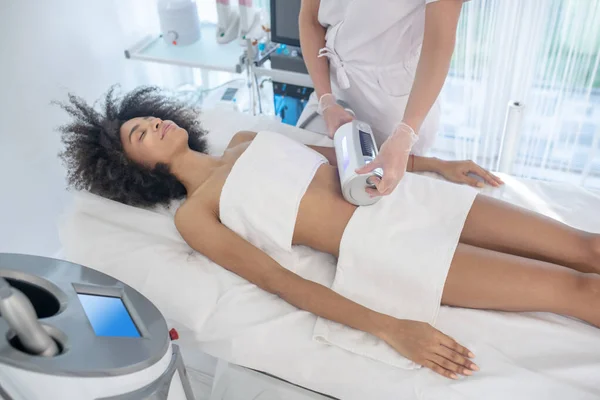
149,140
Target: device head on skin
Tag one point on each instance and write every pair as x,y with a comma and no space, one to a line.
355,147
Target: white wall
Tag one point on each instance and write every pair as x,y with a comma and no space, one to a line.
48,48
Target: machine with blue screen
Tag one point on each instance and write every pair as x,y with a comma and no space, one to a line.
87,334
108,316
290,101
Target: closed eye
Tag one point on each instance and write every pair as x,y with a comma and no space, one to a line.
142,135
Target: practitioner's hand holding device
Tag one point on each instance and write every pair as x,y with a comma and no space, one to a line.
425,345
392,158
334,114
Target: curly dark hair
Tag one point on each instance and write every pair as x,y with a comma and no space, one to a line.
94,155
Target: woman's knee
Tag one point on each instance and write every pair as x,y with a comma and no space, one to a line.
587,299
590,252
586,287
593,246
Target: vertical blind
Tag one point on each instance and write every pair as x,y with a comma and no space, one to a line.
544,54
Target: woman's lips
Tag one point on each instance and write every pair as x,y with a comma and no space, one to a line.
165,129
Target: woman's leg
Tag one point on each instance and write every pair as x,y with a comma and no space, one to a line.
485,279
500,226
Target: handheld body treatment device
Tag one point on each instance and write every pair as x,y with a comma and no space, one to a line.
354,148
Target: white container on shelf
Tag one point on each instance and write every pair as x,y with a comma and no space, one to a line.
179,22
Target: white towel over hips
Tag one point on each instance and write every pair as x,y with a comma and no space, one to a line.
394,259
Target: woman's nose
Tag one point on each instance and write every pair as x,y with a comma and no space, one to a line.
156,123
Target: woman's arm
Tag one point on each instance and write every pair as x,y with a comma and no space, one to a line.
441,20
462,172
312,39
424,164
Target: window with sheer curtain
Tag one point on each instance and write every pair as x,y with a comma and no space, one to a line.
544,54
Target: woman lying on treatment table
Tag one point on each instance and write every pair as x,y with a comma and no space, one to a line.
267,192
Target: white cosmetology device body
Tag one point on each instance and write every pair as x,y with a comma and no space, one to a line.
71,332
354,148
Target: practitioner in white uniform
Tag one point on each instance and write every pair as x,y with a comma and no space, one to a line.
388,61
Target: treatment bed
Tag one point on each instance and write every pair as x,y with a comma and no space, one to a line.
521,355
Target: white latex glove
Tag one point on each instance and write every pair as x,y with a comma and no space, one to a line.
334,114
392,158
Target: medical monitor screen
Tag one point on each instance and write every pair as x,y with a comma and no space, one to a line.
284,22
108,316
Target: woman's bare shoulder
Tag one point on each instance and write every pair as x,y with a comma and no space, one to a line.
195,210
204,201
241,137
203,204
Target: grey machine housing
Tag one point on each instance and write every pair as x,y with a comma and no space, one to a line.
53,287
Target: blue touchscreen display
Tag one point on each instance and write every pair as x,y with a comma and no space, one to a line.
108,316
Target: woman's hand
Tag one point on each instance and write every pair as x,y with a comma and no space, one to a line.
426,346
458,172
336,116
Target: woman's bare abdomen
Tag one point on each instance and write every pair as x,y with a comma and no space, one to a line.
323,213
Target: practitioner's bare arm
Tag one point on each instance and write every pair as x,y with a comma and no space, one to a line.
204,232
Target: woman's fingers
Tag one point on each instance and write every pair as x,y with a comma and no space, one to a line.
473,181
440,370
449,365
466,366
486,175
497,179
453,345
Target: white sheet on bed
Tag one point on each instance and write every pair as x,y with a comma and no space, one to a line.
522,356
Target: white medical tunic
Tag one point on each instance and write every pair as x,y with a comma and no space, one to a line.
373,49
